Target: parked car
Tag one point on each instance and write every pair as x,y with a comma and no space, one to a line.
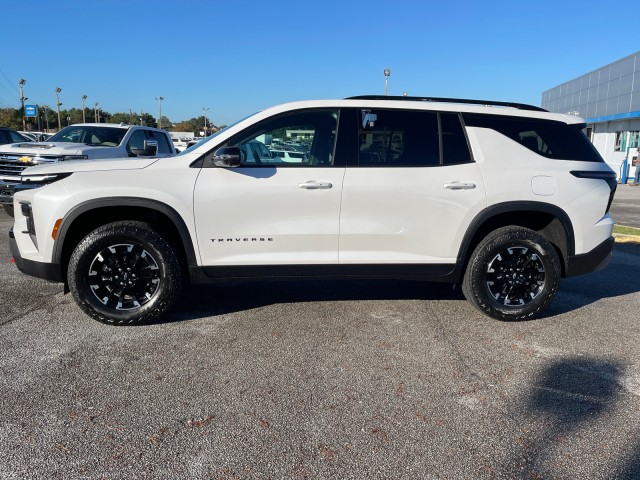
87,141
11,136
503,199
289,156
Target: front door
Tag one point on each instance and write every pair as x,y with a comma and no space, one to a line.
268,216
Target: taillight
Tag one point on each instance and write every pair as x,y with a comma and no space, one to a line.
609,177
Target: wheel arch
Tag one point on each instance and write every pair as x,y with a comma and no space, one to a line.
549,220
87,216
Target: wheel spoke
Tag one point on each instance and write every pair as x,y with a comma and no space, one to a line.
515,276
124,276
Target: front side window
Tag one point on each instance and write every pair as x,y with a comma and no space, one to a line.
305,138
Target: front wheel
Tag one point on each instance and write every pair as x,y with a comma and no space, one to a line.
124,273
512,274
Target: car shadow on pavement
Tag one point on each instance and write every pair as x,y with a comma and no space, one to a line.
571,399
619,278
230,297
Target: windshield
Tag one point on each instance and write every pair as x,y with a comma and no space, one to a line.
90,135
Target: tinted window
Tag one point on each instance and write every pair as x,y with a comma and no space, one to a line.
548,138
398,138
411,138
455,148
163,143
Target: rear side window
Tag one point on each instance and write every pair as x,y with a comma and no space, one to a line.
548,138
410,138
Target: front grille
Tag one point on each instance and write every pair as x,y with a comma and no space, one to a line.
12,168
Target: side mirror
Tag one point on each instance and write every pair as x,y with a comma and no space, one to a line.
226,157
149,149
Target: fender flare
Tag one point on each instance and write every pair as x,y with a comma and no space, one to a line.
513,207
72,215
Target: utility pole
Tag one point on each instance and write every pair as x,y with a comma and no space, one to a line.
204,109
84,119
22,99
159,99
58,90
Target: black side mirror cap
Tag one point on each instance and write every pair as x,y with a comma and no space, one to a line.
226,157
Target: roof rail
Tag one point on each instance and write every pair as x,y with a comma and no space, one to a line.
521,106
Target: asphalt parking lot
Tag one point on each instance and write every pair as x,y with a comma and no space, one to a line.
323,379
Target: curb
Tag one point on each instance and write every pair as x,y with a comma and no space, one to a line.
620,238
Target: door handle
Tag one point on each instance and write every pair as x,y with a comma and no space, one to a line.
313,185
459,186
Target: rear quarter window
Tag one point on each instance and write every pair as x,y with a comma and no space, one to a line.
548,138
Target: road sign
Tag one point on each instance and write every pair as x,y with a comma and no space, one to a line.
30,110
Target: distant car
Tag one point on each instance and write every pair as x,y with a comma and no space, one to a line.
11,136
289,156
29,136
179,144
37,136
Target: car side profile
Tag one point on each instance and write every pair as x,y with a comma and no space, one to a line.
502,199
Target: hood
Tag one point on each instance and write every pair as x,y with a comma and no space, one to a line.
46,148
99,165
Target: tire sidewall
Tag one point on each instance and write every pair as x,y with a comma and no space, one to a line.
487,251
124,233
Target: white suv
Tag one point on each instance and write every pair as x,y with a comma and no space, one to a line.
503,199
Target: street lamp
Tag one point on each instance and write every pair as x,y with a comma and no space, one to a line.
159,99
84,118
22,99
204,109
387,74
95,113
58,90
46,116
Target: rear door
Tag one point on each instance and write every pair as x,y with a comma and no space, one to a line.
410,197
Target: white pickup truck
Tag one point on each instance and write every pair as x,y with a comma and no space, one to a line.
86,141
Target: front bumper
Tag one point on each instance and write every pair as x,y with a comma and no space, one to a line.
8,189
592,261
47,271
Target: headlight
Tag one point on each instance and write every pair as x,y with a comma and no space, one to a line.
42,179
74,157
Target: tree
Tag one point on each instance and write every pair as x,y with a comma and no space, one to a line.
11,118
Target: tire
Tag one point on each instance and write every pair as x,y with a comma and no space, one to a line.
124,273
9,209
512,274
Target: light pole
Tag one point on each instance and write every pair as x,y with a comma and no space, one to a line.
95,113
387,74
22,99
159,99
58,90
204,109
84,118
46,116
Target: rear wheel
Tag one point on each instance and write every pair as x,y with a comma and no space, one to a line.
512,274
9,209
124,273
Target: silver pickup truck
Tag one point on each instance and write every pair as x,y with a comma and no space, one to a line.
86,141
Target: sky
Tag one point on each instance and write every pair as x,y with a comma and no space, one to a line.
237,57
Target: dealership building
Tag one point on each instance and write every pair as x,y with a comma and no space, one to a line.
609,99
